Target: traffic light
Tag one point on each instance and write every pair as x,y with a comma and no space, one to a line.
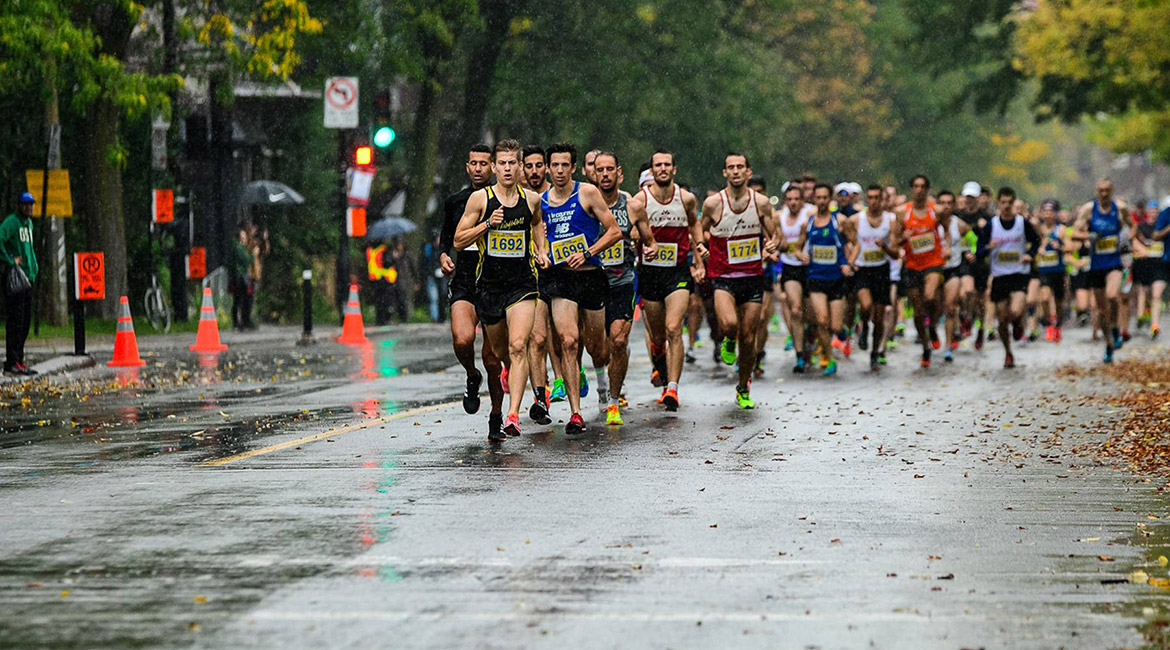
384,133
363,156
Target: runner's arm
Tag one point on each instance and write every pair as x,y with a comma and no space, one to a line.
983,247
596,205
691,205
637,210
849,231
1162,225
1080,231
472,225
1033,239
539,236
770,225
452,212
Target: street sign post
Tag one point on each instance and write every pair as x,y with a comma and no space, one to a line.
89,283
158,144
341,103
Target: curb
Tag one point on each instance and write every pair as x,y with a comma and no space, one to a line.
49,367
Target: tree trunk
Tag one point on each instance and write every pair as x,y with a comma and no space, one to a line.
424,151
477,85
105,229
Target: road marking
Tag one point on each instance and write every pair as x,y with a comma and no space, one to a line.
350,428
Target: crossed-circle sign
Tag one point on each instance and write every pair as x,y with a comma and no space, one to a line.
341,93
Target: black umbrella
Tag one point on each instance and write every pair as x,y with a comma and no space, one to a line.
269,193
390,228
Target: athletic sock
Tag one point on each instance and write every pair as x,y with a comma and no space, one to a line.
602,379
672,386
613,400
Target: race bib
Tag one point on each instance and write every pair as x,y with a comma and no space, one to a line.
1008,257
614,255
740,251
922,243
1107,245
874,256
1048,260
566,248
792,248
1155,249
824,254
506,243
667,256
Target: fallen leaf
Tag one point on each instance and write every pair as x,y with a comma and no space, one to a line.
1105,558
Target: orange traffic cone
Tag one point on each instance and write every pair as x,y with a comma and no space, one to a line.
125,343
353,332
207,338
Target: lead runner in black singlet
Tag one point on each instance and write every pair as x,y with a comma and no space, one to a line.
504,221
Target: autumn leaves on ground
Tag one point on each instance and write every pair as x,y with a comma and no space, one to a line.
1134,426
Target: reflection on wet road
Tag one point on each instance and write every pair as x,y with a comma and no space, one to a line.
280,497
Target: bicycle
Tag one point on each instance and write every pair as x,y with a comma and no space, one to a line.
154,303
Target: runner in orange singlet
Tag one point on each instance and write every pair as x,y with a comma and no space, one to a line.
917,230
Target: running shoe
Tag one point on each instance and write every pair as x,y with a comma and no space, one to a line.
658,377
727,351
690,355
558,391
847,348
471,393
1056,335
584,384
1143,319
831,369
954,345
512,425
743,398
992,335
1125,336
1034,335
504,378
788,344
799,367
623,402
874,363
496,433
539,412
925,358
882,359
863,338
933,331
1009,361
669,399
949,356
1108,354
1118,341
575,426
979,340
1154,331
1050,334
613,416
900,329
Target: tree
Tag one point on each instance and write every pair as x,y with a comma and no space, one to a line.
1102,57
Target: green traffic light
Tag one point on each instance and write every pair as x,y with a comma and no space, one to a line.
384,137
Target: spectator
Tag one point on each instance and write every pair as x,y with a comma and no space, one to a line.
16,249
381,278
436,280
240,266
406,280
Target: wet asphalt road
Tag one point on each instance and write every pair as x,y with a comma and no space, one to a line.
330,497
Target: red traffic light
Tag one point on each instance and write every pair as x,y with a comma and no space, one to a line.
363,155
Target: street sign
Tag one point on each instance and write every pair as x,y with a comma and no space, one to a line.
158,144
60,197
197,263
359,183
341,103
355,222
163,206
89,276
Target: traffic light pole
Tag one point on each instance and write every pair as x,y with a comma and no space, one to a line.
343,237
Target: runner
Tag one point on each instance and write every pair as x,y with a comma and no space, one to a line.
832,255
578,227
1100,222
1051,269
1149,274
793,269
535,180
504,220
917,230
461,294
952,270
768,312
976,274
873,225
743,236
665,281
1011,244
619,265
588,170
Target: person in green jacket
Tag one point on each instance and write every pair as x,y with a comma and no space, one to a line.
16,249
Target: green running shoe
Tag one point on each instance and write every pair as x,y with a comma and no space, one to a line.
558,391
743,398
584,384
727,351
831,369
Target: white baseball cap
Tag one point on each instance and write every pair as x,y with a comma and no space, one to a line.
645,177
971,188
856,188
841,188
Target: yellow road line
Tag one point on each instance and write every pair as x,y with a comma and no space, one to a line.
328,434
